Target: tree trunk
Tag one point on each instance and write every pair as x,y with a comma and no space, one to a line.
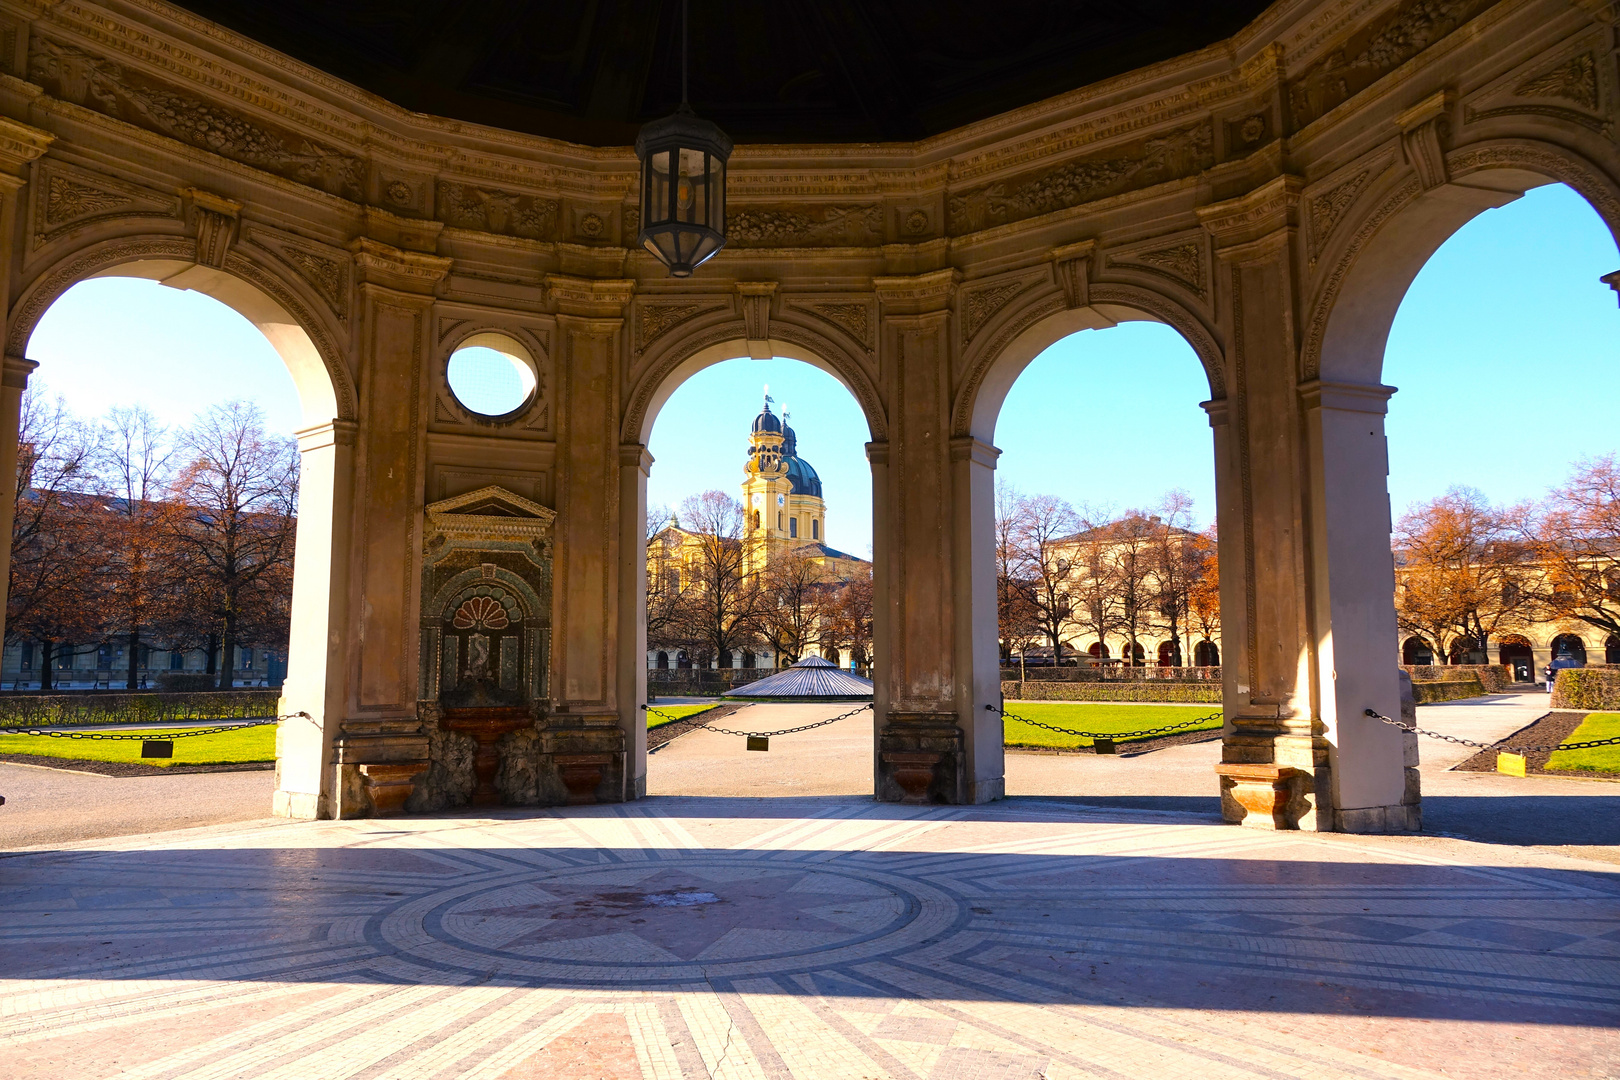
227,667
46,675
212,663
134,650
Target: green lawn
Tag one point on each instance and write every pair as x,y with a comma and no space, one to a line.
244,744
1600,725
1102,718
672,713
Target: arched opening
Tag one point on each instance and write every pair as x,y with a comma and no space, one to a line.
1121,559
1515,653
1207,654
759,555
1415,652
1611,649
1426,309
1568,650
174,370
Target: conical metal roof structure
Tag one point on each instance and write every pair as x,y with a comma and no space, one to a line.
810,679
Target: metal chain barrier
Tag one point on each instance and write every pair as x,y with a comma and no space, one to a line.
1111,736
1488,746
151,734
762,734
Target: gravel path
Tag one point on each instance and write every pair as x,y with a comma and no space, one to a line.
51,806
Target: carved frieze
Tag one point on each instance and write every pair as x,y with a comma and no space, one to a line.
1571,86
67,197
1374,50
980,304
100,84
804,226
1181,262
329,276
853,317
1324,211
654,319
1170,155
491,210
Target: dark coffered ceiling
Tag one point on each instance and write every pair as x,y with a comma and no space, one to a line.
805,71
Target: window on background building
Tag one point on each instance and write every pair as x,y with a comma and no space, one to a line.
26,656
177,660
64,657
247,659
779,519
793,527
663,661
815,529
104,658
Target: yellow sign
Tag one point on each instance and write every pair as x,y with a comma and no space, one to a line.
1512,764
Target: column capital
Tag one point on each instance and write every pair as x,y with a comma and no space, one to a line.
1219,410
331,433
634,456
967,448
1346,397
877,453
396,268
1238,225
918,294
597,298
14,374
20,144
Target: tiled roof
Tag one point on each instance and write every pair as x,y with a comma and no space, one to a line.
811,677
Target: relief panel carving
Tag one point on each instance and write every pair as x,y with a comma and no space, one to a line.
654,320
979,305
65,196
83,78
1573,87
503,213
802,226
854,317
1373,51
1182,263
1172,155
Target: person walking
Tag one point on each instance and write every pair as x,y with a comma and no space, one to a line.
1551,677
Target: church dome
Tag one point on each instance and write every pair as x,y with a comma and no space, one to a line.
790,441
803,477
766,421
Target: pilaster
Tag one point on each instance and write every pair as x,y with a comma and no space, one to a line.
382,726
594,705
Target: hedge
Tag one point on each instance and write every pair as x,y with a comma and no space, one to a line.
1158,690
68,710
1494,678
1593,689
1427,693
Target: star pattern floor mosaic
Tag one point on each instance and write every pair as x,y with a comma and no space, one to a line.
818,939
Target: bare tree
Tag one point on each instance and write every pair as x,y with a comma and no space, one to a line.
795,604
850,626
1576,541
1128,554
1044,549
1177,564
1204,595
56,549
135,470
1464,569
663,577
1015,605
232,519
720,605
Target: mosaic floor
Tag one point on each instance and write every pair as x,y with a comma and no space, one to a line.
813,938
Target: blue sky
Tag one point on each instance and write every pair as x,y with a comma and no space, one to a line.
1504,353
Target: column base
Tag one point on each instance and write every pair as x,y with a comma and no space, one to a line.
921,760
298,805
1261,796
1381,819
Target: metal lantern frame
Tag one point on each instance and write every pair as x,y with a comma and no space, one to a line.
683,190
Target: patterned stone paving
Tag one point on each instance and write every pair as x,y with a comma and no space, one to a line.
803,938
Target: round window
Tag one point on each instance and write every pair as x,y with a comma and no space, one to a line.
488,381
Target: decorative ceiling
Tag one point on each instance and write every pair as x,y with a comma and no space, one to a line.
803,71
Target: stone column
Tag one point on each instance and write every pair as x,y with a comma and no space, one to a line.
634,463
936,741
381,746
317,650
593,707
1308,629
19,146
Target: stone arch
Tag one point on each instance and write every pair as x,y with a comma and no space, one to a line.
687,354
1400,226
1042,320
298,325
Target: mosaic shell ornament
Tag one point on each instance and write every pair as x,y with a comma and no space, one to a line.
481,613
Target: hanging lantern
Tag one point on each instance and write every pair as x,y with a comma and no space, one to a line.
683,190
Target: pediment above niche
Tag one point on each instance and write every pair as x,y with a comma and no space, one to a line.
490,512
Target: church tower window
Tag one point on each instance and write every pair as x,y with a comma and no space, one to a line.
793,527
815,529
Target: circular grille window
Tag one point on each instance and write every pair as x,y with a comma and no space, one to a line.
490,382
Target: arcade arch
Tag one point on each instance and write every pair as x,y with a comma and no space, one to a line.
302,334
